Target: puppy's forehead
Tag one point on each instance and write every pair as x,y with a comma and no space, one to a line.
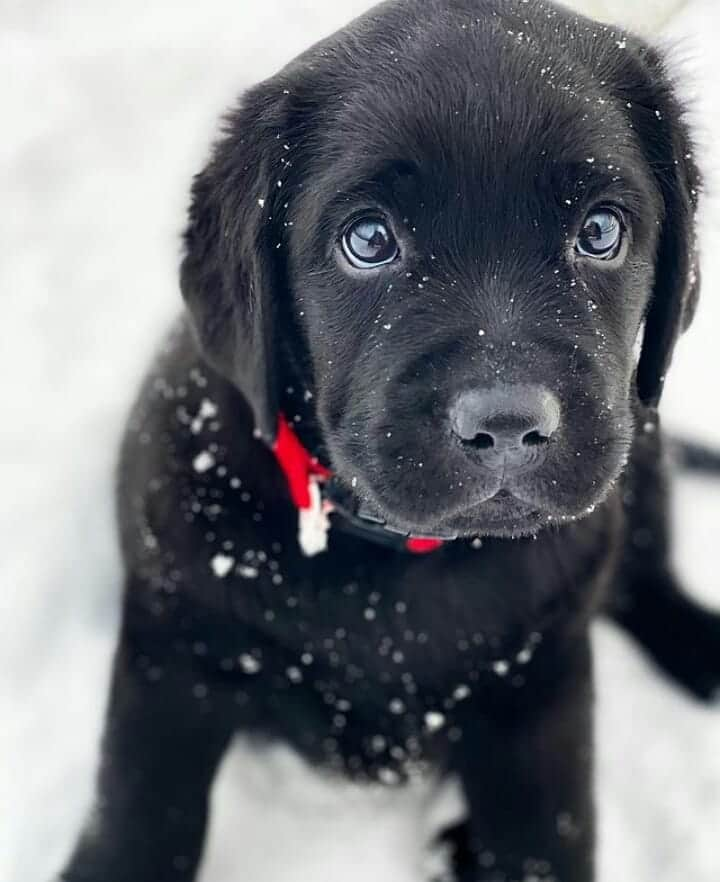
481,133
470,100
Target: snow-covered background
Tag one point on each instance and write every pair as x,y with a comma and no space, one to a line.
107,109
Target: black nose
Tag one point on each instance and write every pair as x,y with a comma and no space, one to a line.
507,427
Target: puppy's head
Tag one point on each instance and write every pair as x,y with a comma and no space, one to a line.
468,235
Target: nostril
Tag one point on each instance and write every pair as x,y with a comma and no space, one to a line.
481,441
534,439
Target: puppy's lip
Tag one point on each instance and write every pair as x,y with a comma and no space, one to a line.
502,508
502,494
500,515
375,515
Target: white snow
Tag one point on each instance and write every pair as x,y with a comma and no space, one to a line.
434,721
645,16
208,411
222,565
203,462
339,830
249,664
107,112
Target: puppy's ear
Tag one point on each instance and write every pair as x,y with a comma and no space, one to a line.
232,276
658,118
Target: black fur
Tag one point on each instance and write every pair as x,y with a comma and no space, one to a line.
693,457
486,131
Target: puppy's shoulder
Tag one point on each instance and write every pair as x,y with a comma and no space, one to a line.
188,452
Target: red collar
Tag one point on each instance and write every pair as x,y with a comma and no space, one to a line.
305,475
297,464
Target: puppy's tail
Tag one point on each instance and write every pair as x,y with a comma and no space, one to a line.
689,456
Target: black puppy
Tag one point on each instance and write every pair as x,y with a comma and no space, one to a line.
435,271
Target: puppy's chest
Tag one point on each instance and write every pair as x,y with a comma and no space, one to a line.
464,613
397,715
364,705
381,672
430,623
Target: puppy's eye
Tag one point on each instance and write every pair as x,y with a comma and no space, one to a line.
368,243
601,235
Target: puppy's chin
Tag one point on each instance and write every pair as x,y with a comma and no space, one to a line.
499,513
503,516
506,516
500,517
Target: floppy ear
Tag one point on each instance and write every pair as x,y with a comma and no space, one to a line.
232,275
658,118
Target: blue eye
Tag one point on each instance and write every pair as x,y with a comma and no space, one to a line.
368,243
601,235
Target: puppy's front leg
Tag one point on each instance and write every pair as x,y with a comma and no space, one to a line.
527,773
681,636
165,734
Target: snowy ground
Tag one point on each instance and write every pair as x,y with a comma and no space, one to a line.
107,109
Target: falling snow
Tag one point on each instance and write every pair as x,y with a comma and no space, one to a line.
203,462
434,721
249,664
222,565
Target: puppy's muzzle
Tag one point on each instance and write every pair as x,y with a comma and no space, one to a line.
506,429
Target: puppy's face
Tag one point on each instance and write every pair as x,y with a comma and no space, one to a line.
472,264
471,234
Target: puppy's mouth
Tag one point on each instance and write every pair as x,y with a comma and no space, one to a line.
502,513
